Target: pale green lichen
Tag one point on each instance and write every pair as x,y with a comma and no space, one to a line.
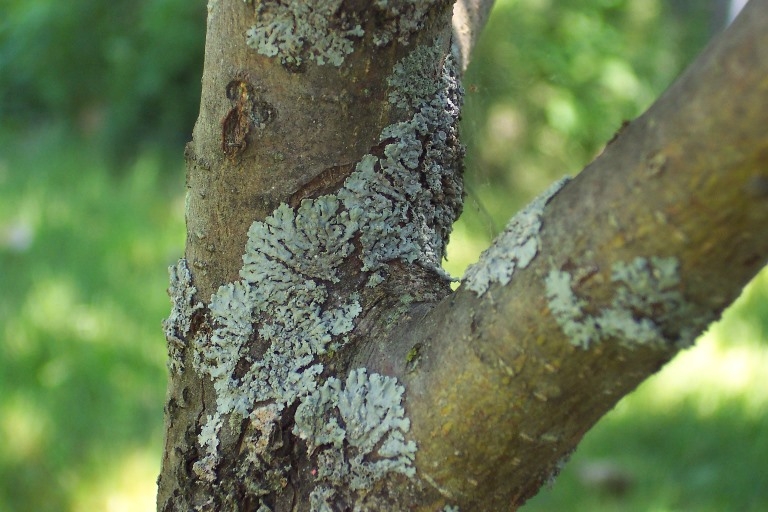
357,431
317,227
324,31
647,300
514,248
318,499
183,306
409,197
413,78
287,258
296,30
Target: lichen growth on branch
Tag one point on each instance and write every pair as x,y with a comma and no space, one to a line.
183,306
412,80
514,248
299,30
399,19
325,31
288,257
646,304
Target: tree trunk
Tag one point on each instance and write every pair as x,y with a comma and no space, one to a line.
318,357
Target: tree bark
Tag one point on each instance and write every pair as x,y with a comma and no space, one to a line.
318,358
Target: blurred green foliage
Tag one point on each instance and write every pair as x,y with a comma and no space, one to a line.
126,73
552,81
83,258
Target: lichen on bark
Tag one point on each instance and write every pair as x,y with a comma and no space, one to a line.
514,248
272,332
647,307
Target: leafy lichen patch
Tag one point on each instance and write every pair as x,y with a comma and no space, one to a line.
282,293
413,78
183,306
647,300
325,31
299,30
399,19
409,197
356,430
514,248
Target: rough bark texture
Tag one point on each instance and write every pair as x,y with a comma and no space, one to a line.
319,361
283,130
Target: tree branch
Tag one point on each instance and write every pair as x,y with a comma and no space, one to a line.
469,18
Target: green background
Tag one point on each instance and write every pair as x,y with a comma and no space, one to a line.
97,100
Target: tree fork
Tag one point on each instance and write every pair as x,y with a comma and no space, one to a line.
503,396
589,291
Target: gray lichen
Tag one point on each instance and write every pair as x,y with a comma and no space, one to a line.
356,431
399,18
318,499
287,258
183,306
647,300
514,248
325,31
317,227
413,78
299,30
409,197
568,310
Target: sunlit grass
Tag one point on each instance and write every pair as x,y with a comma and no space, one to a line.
27,425
127,486
82,356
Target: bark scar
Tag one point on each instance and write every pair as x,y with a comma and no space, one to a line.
248,113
